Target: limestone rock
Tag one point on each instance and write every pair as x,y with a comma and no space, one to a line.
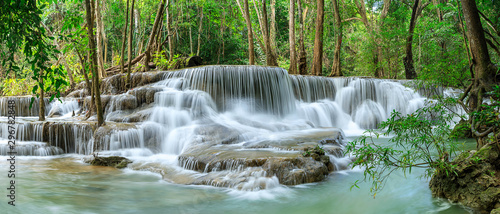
475,182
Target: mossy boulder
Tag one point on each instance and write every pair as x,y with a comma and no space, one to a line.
474,182
112,161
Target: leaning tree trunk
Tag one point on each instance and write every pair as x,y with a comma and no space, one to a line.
336,71
93,63
291,38
318,40
149,46
408,59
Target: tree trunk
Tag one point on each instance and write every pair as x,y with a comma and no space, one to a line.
199,32
41,100
87,81
149,46
190,41
170,39
93,64
291,38
408,59
99,36
270,58
336,71
251,50
272,30
122,55
130,39
302,49
317,66
484,70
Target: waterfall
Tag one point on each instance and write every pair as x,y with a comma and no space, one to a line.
22,106
243,127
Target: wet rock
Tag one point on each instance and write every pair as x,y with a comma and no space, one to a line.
112,161
138,115
117,83
145,95
104,102
475,181
284,161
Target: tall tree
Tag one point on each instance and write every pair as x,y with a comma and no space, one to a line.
130,39
408,59
317,67
336,71
302,49
484,69
200,31
89,7
149,46
251,49
122,55
270,57
291,38
99,37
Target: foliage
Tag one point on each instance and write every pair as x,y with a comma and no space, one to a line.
22,30
421,139
13,86
488,117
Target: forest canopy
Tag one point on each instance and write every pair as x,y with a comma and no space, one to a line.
423,39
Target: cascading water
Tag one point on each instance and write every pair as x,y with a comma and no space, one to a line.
246,123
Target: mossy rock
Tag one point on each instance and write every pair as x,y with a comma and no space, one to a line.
474,182
462,130
113,161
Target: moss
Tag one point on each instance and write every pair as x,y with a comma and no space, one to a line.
113,161
461,130
474,183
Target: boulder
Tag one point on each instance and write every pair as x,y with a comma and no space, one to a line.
112,161
475,181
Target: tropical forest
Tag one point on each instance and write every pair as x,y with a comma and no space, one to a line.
250,106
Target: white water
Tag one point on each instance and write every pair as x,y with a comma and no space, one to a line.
241,107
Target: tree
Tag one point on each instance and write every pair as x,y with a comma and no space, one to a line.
22,28
302,49
122,53
130,39
408,59
483,69
291,38
89,7
336,70
246,14
149,46
317,67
